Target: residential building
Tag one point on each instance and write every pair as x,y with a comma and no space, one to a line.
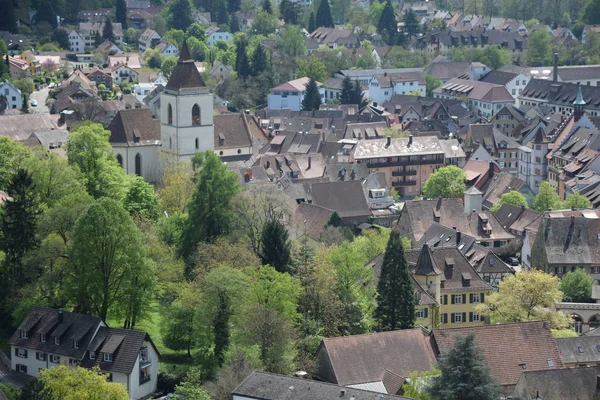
108,47
48,338
220,34
507,119
486,98
167,49
384,86
380,361
533,164
560,96
365,76
513,82
100,77
88,30
582,351
289,95
446,70
436,42
406,162
266,386
558,384
509,349
232,135
220,71
76,42
516,219
123,73
135,139
344,197
418,216
186,112
589,28
148,40
333,38
503,149
11,94
18,68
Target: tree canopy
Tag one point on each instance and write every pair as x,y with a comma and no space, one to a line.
446,182
324,17
312,97
577,286
80,383
546,198
513,197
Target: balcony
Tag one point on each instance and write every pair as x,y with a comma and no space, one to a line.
407,172
400,163
404,183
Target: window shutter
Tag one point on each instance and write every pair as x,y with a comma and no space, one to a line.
452,317
464,317
25,353
444,318
446,299
464,298
425,312
470,317
482,298
16,352
452,297
470,297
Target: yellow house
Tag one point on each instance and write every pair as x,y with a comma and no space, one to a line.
29,57
446,275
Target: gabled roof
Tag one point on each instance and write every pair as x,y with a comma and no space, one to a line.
534,341
267,386
345,197
365,358
499,77
297,85
134,127
559,384
579,350
418,216
425,264
231,131
312,219
185,75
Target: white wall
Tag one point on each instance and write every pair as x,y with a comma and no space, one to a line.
15,100
216,36
135,390
33,364
292,101
151,161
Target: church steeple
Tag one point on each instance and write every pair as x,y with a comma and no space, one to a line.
578,105
185,75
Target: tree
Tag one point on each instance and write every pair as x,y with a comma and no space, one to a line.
179,14
446,182
576,200
234,24
276,247
289,12
191,387
121,13
312,25
540,48
494,57
526,296
340,10
13,155
221,328
465,375
264,23
546,198
59,36
358,97
291,41
168,65
101,262
8,20
591,14
210,211
88,149
577,286
178,329
395,296
387,26
153,58
312,97
242,64
141,199
417,384
18,226
97,39
513,197
431,82
197,31
25,85
411,23
46,13
324,18
107,31
313,68
266,6
259,60
176,186
80,383
346,97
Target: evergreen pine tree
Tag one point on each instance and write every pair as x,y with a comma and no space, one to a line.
465,374
221,327
46,13
357,96
276,248
259,60
72,12
8,20
346,97
221,14
289,11
233,6
18,225
395,293
234,25
267,6
107,31
411,23
179,14
324,17
121,13
335,220
387,26
311,22
312,98
97,39
242,64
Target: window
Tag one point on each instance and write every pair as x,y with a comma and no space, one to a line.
107,357
21,353
197,143
138,164
475,317
422,313
457,318
580,349
475,298
457,299
195,115
120,160
54,359
444,318
23,334
40,356
75,344
22,368
170,115
550,363
56,340
92,355
42,338
595,270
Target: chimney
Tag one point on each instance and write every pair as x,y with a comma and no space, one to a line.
555,70
410,140
248,175
388,141
309,163
60,316
458,238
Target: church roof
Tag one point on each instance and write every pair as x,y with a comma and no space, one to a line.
185,75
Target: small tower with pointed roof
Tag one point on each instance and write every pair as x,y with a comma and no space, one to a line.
186,114
578,105
428,274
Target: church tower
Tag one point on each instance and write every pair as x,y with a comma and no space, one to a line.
579,105
186,110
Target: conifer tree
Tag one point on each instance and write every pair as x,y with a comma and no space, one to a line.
18,226
411,23
395,293
8,21
234,25
221,327
259,60
311,22
357,96
242,64
324,17
465,374
97,39
233,6
347,91
288,11
387,26
121,13
46,13
107,31
179,14
312,98
267,6
276,247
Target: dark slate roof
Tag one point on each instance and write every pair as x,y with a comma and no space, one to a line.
267,386
418,216
185,75
561,94
559,384
499,77
503,183
123,344
582,349
491,263
480,221
364,358
447,70
42,320
345,197
438,236
509,349
233,129
134,126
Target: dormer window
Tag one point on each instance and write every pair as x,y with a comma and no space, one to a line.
43,338
75,344
92,355
107,357
23,334
56,340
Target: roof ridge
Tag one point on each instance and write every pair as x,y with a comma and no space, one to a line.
373,333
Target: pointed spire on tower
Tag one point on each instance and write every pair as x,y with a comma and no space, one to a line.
185,75
578,105
579,100
425,264
185,53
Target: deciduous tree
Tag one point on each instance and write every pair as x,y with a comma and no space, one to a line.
179,14
13,155
513,197
141,199
546,198
312,68
577,286
576,200
80,383
446,182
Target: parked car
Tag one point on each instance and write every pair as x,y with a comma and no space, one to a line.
33,103
513,261
52,85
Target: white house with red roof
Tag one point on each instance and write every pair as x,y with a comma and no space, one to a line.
289,95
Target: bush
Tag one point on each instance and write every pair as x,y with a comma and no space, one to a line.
166,382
